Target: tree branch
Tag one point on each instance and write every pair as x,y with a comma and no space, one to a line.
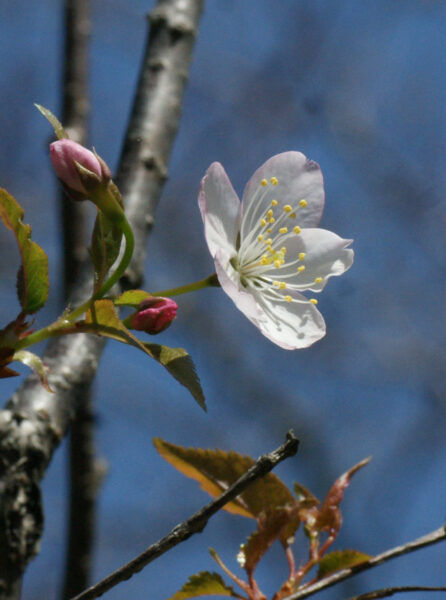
34,421
426,540
386,592
197,522
83,468
75,109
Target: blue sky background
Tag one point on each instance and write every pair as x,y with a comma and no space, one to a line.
358,87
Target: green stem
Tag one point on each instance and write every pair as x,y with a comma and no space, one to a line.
210,281
68,319
114,277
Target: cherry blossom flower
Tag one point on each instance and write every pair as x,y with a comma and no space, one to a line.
267,248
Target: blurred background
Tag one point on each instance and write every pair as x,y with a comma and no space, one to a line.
358,87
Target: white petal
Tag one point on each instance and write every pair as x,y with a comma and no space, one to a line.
326,256
298,179
220,210
291,325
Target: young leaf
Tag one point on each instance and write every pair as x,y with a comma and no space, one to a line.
271,525
204,584
35,363
55,123
304,495
216,470
131,298
329,518
105,245
32,278
338,560
179,364
103,320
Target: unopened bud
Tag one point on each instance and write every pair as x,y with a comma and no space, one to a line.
64,154
154,315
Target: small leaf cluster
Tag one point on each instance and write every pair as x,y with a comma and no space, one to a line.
278,513
98,315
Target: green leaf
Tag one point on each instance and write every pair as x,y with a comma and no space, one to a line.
338,560
55,123
103,320
131,298
179,364
35,363
105,245
216,470
32,278
204,584
279,523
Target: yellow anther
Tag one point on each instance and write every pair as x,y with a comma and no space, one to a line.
287,208
269,214
282,285
296,229
273,181
312,301
268,242
302,203
262,222
283,250
263,182
301,255
273,202
263,260
301,268
270,250
292,215
269,230
271,220
277,263
318,280
260,237
287,298
283,230
276,283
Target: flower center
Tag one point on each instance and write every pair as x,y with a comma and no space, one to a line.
266,225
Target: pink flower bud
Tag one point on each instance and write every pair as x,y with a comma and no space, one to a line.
154,315
63,155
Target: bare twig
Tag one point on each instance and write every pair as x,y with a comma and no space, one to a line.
426,540
195,523
75,109
34,421
82,466
386,592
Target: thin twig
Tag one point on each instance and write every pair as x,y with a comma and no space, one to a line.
195,523
82,466
426,540
75,110
386,592
34,421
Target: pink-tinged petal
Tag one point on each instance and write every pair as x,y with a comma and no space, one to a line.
326,255
220,210
64,153
229,280
290,325
297,179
